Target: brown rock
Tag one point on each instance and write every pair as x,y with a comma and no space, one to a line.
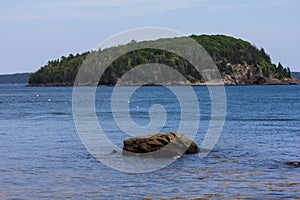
160,145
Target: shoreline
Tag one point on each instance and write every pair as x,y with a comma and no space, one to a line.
194,85
291,81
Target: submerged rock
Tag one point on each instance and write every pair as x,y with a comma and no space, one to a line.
114,151
293,164
160,145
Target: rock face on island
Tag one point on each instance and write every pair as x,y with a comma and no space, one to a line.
248,75
160,145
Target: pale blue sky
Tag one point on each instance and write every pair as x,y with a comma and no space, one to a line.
35,31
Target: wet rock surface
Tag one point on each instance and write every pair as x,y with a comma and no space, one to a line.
160,145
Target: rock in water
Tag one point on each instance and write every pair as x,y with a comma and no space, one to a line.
293,164
160,145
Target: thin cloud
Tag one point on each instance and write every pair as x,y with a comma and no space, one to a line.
275,3
95,9
165,4
75,9
226,7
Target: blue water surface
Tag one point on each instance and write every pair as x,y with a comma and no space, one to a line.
42,157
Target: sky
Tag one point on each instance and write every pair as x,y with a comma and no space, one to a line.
35,31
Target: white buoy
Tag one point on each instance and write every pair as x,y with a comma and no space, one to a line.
37,95
176,157
49,100
137,106
128,101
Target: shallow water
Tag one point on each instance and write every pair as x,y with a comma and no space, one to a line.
41,155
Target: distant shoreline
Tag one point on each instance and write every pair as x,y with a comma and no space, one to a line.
22,78
269,82
18,78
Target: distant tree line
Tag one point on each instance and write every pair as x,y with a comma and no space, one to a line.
20,78
224,50
295,75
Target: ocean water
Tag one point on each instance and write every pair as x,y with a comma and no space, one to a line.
42,156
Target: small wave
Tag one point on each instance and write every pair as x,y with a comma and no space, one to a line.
85,156
58,113
261,119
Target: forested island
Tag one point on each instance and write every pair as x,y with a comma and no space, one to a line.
239,62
